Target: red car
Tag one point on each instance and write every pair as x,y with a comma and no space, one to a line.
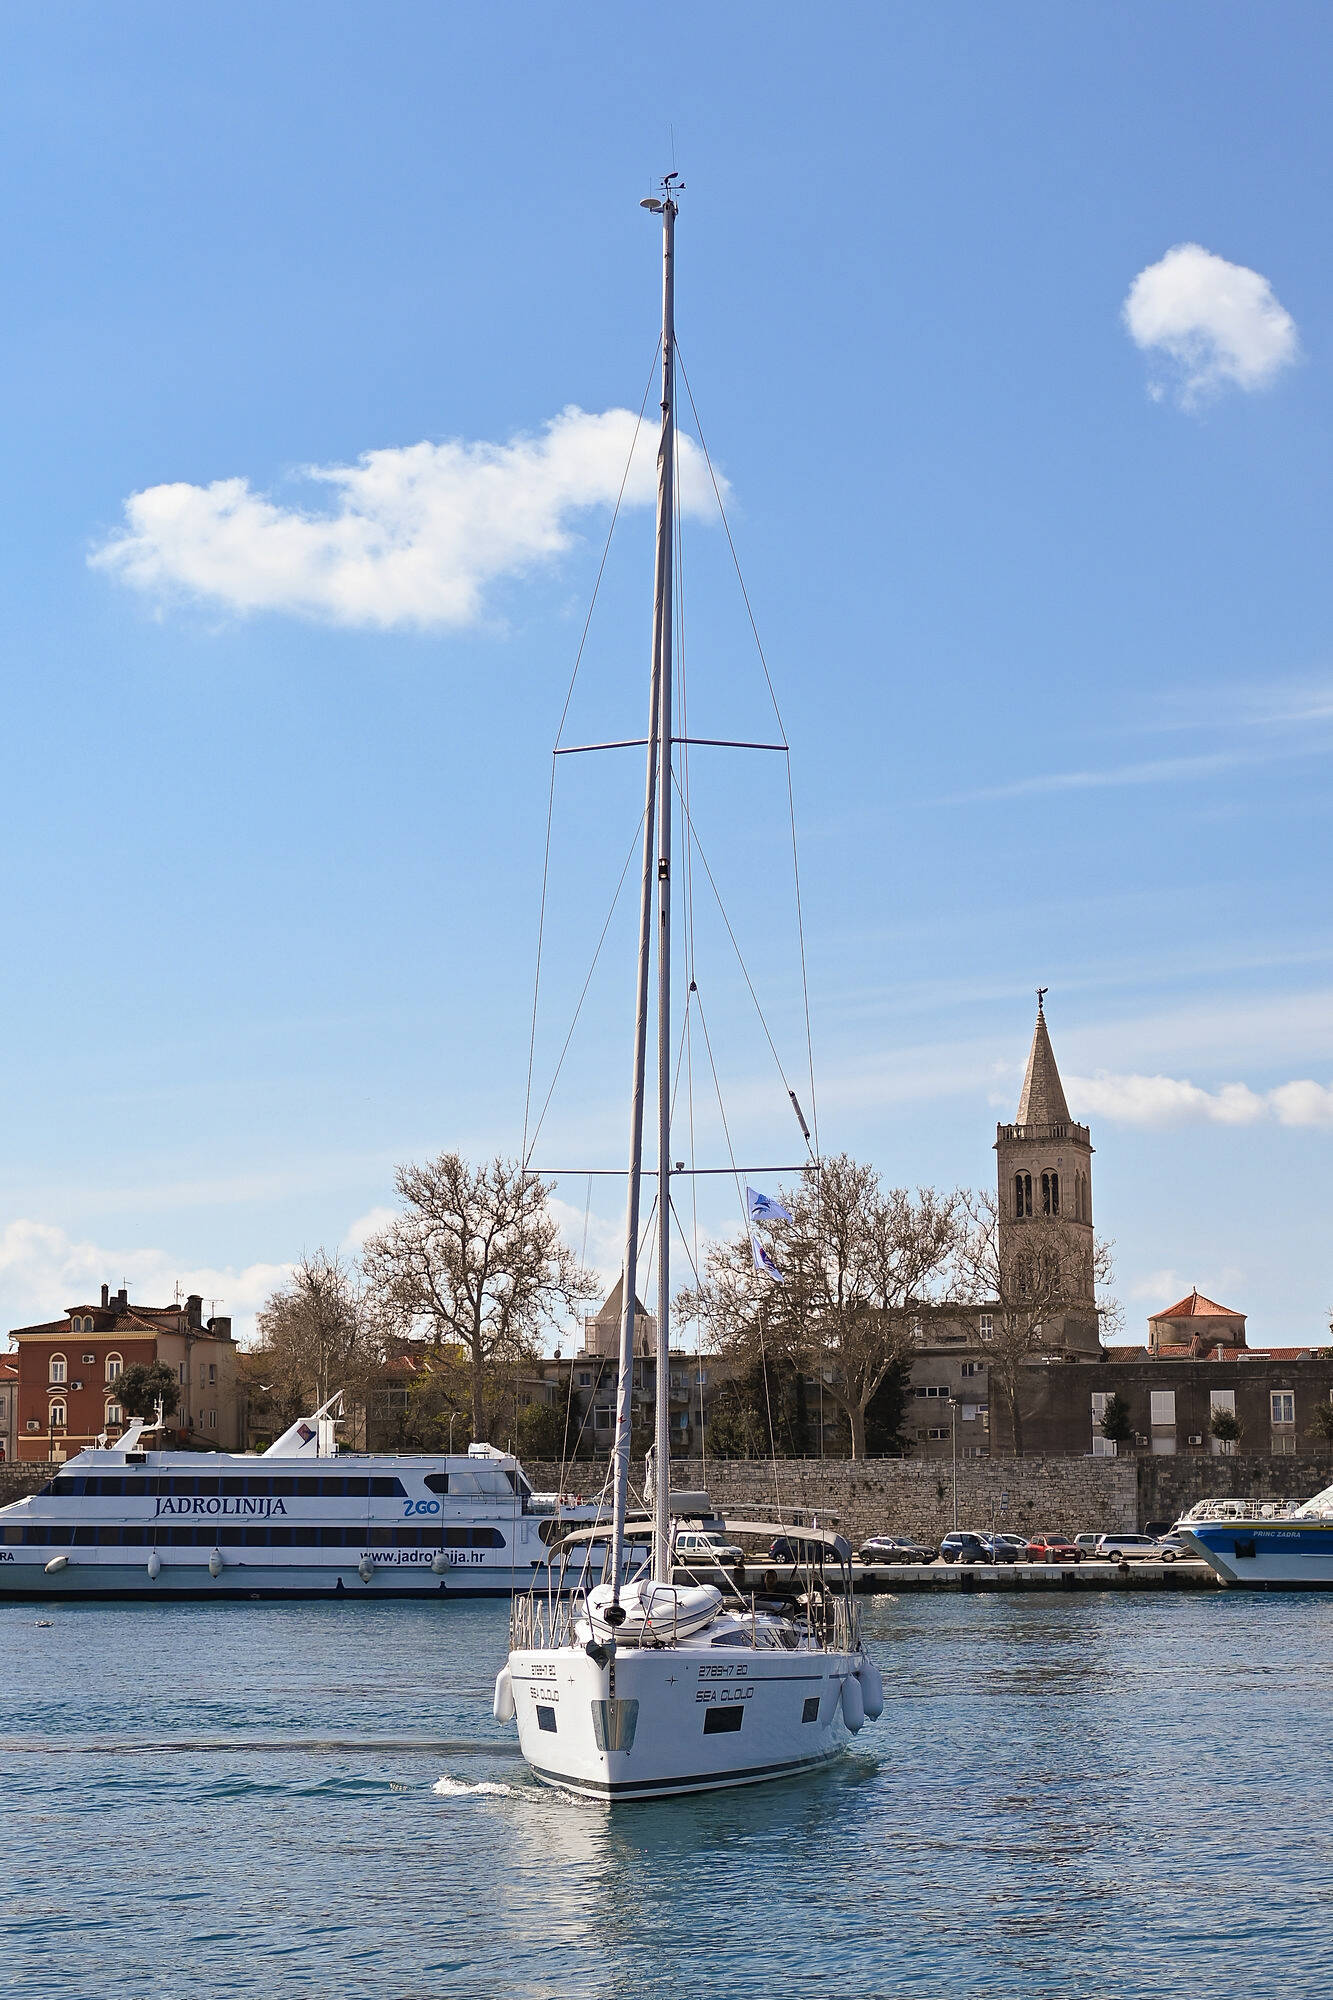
1053,1549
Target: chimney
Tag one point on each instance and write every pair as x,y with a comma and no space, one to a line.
122,1298
106,1295
194,1309
220,1326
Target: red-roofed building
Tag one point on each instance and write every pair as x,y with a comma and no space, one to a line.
9,1398
1194,1325
68,1369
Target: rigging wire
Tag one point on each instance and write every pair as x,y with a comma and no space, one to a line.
564,1050
782,729
524,1151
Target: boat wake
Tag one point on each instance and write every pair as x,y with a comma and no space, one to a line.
454,1788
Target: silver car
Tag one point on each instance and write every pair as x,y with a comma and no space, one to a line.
1131,1548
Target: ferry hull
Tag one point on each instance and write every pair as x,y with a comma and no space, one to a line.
1266,1555
659,1723
194,1580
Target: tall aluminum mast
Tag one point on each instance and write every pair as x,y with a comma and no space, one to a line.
656,847
666,522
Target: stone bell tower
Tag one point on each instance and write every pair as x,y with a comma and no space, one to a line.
1044,1171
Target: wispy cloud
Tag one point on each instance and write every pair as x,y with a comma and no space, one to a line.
1169,1100
1215,324
1156,771
415,537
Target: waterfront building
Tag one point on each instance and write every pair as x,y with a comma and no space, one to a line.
9,1393
68,1369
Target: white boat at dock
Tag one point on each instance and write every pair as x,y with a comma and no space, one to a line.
298,1520
1264,1544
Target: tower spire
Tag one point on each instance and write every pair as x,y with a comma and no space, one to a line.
1043,1098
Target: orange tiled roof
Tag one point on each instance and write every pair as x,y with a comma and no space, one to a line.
1197,1306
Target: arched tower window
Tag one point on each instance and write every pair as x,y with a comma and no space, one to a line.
1050,1194
1022,1195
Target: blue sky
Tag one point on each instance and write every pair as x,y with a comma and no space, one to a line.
1045,594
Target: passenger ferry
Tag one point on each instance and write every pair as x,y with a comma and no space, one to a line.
298,1520
1264,1544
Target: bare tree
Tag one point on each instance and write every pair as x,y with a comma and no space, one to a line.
858,1263
315,1337
1029,1276
475,1258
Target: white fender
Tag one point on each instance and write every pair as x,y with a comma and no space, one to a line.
503,1706
215,1563
872,1688
853,1708
154,1565
365,1569
57,1563
439,1563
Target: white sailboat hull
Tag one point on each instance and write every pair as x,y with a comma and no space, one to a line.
660,1721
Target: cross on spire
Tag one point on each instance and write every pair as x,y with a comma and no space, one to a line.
1042,991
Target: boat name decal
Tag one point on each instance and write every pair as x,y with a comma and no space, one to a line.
725,1693
262,1506
716,1671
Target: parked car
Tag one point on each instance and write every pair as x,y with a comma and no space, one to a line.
796,1548
1087,1543
1133,1548
964,1546
1174,1549
699,1547
893,1549
1007,1548
1053,1549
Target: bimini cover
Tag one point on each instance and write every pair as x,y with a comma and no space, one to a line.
655,1610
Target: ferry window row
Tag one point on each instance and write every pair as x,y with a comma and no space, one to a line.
184,1486
135,1535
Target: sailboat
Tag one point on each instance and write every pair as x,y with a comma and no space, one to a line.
651,1684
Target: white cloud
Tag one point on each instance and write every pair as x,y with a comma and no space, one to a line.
1169,1100
1157,1286
43,1270
1216,324
416,533
366,1225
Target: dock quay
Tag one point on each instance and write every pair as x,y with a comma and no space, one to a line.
894,1579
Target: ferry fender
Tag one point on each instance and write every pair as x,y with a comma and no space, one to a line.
503,1705
57,1563
154,1565
853,1708
439,1563
872,1688
215,1563
365,1569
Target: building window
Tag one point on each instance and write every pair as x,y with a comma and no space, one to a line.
1022,1195
114,1414
937,1434
1283,1405
932,1392
603,1418
1100,1398
58,1370
1050,1194
974,1367
1163,1407
212,1371
212,1420
55,1416
114,1367
585,1378
986,1326
180,1373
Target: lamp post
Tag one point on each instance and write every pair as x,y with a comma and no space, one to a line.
453,1419
953,1429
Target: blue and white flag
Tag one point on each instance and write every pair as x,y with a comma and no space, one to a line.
764,1264
763,1208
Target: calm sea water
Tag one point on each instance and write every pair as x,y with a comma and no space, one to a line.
1094,1795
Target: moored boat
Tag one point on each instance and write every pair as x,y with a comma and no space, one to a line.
299,1520
1264,1544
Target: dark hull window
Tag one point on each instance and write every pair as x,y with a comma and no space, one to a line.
722,1721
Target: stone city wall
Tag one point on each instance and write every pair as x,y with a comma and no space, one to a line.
908,1496
21,1477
